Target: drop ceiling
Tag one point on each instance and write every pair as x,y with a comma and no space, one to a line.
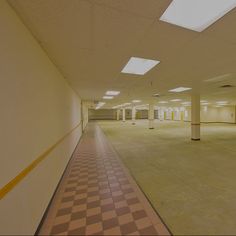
90,41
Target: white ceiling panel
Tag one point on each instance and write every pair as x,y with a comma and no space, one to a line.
90,41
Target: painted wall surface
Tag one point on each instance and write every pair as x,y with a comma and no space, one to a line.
102,114
111,114
85,108
37,108
141,114
187,114
214,114
156,114
211,114
128,114
218,114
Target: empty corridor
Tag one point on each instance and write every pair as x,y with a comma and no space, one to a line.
97,196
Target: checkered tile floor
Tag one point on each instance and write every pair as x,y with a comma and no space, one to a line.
97,196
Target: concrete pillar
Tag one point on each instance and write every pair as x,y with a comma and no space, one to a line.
133,115
159,114
195,114
123,114
118,114
151,116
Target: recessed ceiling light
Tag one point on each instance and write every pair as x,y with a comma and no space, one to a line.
222,102
136,101
186,103
127,103
196,15
112,93
218,78
99,105
179,89
205,103
176,100
142,105
156,95
107,97
139,66
163,102
117,106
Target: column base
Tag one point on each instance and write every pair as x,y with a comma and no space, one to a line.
151,123
133,123
195,131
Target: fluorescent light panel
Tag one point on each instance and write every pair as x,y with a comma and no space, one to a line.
142,105
163,102
139,66
156,95
99,105
176,100
218,78
196,15
186,103
136,101
179,89
222,102
107,97
122,105
112,93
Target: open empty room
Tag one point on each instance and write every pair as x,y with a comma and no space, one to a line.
118,117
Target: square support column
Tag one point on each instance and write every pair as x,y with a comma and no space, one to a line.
195,114
151,116
123,114
133,115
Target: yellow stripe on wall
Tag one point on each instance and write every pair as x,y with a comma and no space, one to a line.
9,186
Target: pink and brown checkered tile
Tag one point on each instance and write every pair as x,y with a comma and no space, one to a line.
97,195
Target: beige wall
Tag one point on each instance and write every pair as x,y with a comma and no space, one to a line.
212,114
187,114
221,114
37,108
85,107
142,114
215,114
110,114
102,114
